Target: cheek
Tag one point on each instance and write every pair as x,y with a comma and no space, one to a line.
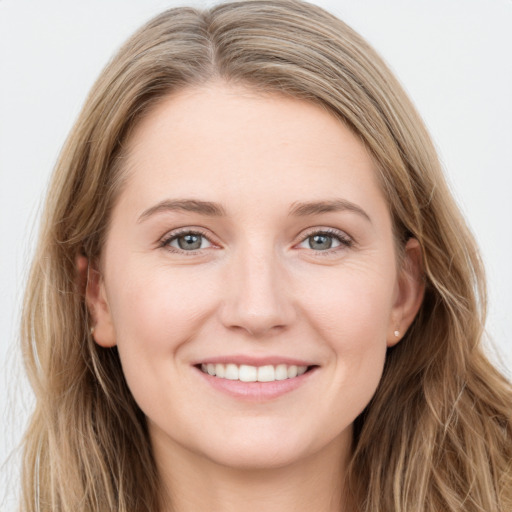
351,318
351,307
158,306
155,313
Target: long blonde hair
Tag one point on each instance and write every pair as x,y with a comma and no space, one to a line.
437,436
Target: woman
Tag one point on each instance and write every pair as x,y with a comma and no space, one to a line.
253,287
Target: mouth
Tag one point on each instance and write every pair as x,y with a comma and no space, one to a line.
249,373
256,378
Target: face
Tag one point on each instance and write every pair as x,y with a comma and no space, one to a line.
250,278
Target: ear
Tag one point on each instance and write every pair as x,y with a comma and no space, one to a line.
92,285
409,294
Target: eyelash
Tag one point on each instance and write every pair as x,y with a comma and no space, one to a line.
344,240
165,242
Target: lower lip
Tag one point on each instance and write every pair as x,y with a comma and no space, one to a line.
256,391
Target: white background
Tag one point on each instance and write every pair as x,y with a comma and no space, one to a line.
453,56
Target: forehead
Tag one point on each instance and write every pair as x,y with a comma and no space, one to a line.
237,144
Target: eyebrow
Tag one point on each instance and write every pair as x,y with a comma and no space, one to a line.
187,205
334,205
210,209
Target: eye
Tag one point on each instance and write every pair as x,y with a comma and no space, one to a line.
325,241
187,241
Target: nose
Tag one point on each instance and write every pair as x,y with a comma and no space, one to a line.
257,296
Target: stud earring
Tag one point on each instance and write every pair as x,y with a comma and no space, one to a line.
397,333
91,330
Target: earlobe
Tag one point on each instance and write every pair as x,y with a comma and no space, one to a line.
411,289
93,286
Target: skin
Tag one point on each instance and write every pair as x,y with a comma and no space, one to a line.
256,288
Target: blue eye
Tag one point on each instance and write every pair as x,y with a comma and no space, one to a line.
189,241
321,242
325,241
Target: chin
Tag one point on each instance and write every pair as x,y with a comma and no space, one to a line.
257,457
268,448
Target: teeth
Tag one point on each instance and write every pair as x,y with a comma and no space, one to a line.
266,373
281,372
247,373
231,372
292,372
220,370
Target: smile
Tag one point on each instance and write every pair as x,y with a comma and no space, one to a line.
248,373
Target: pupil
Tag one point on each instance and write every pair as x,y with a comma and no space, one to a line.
320,242
189,242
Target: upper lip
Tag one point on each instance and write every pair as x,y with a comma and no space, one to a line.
254,360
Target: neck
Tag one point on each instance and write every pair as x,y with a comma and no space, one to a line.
191,482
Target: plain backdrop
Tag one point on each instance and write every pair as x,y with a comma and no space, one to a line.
453,57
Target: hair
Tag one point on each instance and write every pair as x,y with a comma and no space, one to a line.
436,436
